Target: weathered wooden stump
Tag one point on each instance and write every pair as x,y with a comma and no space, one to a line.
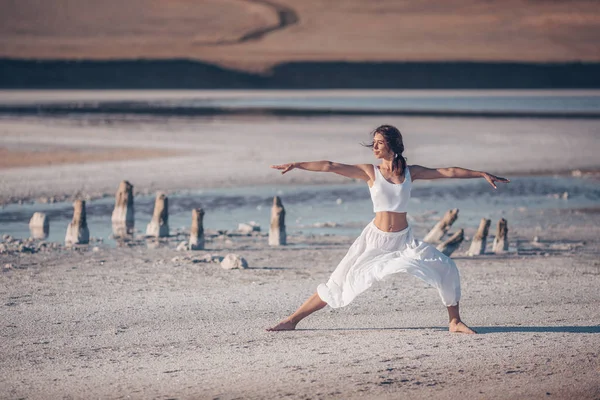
159,226
77,231
501,240
480,239
39,226
450,245
197,231
123,213
442,227
277,236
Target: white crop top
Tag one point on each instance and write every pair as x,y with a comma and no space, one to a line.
388,196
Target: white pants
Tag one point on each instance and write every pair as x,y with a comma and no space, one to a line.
376,254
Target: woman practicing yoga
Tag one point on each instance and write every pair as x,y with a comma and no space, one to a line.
386,245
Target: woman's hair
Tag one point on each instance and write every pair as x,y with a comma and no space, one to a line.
393,138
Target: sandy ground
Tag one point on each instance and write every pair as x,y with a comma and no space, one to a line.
256,34
50,155
205,152
154,323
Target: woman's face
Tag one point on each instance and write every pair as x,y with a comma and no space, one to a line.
380,147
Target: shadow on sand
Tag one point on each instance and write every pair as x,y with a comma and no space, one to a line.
484,329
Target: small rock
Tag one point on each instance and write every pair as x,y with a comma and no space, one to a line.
577,173
7,238
3,248
234,261
207,258
182,246
8,266
325,225
95,249
152,244
536,239
565,196
339,201
26,249
248,228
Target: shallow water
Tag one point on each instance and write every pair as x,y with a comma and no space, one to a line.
517,102
346,207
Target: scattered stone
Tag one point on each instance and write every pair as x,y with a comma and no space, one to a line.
442,227
39,226
565,196
8,266
3,248
77,231
153,243
339,201
501,241
159,226
480,240
234,261
183,246
277,235
123,214
577,173
197,230
325,225
96,249
248,228
25,249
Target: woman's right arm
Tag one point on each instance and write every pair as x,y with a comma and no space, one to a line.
358,171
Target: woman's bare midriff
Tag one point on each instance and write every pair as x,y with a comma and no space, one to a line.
390,221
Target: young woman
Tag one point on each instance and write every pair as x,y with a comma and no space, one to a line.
386,246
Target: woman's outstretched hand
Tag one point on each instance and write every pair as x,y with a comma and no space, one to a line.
492,179
284,167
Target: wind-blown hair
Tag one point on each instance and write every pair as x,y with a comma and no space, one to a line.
393,139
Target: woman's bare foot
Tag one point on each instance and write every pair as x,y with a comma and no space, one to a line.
285,325
460,327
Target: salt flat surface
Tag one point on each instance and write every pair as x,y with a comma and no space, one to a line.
213,152
153,323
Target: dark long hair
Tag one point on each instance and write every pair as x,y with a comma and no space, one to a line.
393,139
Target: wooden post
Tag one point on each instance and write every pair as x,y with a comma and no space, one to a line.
501,240
450,245
197,231
122,216
480,239
39,226
77,231
277,236
442,227
159,226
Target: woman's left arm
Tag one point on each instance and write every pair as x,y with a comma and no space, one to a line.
420,172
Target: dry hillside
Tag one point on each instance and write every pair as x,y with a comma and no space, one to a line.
253,34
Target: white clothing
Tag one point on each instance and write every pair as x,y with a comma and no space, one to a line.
376,254
389,196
